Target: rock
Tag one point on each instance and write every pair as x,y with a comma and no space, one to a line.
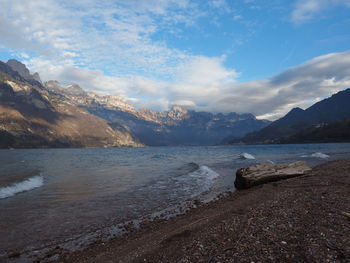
267,172
20,68
36,77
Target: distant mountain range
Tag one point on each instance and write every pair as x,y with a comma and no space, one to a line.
325,121
177,126
37,114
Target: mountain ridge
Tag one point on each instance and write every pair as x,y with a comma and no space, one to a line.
176,126
334,109
31,117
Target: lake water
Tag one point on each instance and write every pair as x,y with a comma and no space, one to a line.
66,196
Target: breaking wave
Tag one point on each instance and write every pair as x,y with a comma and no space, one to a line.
317,155
22,186
188,181
201,180
320,155
204,172
246,156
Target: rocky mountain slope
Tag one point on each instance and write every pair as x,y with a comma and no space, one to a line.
333,132
30,116
299,123
177,126
117,122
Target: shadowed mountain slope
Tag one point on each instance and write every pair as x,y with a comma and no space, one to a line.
325,112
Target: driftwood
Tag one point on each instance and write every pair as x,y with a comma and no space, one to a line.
267,172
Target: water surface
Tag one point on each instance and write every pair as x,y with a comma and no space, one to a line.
50,195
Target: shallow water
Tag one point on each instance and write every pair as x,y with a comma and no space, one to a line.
50,195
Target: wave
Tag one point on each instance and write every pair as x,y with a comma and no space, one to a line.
22,186
317,155
246,156
204,172
189,181
191,167
201,180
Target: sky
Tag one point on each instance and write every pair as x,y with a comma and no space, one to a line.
259,56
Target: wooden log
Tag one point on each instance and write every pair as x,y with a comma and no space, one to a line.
267,172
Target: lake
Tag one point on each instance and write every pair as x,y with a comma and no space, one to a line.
71,196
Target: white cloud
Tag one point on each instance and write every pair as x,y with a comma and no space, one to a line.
113,35
81,41
220,4
295,87
204,84
204,71
305,10
299,86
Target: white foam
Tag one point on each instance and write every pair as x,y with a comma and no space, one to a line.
25,185
204,172
246,156
203,180
320,155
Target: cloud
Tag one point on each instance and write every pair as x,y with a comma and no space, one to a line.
299,86
203,71
111,47
116,36
205,84
220,4
305,10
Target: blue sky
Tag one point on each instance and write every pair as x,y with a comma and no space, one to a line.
216,55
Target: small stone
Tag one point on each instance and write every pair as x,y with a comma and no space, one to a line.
15,254
284,242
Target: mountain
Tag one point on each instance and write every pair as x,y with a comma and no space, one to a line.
31,117
70,90
22,70
298,122
333,132
49,114
177,126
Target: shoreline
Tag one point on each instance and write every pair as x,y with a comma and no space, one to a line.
297,219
